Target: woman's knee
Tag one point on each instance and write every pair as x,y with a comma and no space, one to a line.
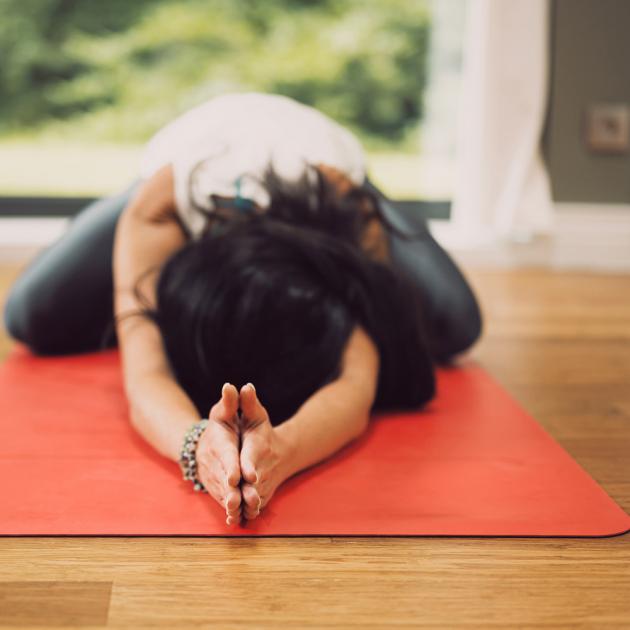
20,317
56,305
460,330
13,320
27,321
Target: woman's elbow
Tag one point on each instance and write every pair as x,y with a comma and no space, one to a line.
362,427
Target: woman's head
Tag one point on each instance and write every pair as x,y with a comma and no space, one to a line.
275,304
273,299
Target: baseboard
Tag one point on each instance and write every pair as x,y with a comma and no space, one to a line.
588,237
22,238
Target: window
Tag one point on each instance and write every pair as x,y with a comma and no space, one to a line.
83,85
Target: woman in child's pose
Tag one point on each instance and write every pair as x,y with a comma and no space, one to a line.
264,295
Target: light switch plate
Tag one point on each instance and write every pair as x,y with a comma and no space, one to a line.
608,128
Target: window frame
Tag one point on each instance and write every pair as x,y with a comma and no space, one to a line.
49,206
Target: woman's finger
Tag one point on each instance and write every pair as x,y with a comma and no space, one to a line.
226,409
216,450
229,462
225,445
252,509
233,501
246,462
253,412
251,496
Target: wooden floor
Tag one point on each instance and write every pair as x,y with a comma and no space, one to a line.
560,343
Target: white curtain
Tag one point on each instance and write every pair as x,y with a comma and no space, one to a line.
501,189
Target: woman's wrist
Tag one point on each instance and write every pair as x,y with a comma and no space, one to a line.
176,442
161,412
287,441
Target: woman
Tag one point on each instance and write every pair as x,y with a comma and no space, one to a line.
252,251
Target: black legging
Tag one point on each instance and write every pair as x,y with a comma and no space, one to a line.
452,312
62,302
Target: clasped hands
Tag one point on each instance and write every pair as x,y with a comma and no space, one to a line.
240,459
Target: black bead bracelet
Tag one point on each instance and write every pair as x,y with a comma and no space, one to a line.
188,454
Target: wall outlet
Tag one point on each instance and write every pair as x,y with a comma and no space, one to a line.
608,128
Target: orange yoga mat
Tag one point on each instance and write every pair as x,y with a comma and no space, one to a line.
473,463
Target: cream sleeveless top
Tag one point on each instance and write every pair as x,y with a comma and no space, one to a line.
224,145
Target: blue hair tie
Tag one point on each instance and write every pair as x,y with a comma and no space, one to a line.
242,203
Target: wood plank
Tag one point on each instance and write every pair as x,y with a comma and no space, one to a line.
54,603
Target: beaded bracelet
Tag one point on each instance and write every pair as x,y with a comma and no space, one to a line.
188,458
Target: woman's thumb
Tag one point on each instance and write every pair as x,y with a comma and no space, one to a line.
247,469
252,410
228,405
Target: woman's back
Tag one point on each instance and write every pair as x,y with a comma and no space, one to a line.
224,146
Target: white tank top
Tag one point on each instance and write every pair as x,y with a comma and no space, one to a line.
221,146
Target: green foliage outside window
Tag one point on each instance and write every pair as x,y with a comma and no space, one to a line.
116,70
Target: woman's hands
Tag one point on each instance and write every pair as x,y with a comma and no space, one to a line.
264,455
241,461
244,460
218,466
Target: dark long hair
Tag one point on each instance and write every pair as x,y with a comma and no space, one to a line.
272,298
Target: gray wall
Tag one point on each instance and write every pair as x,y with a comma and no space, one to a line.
590,63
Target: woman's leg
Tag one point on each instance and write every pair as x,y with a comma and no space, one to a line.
453,314
62,303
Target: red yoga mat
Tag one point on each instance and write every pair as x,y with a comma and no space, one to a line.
472,463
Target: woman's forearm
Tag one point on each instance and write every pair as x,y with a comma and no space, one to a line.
161,412
159,409
147,234
335,415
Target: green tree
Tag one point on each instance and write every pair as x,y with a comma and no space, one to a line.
117,70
